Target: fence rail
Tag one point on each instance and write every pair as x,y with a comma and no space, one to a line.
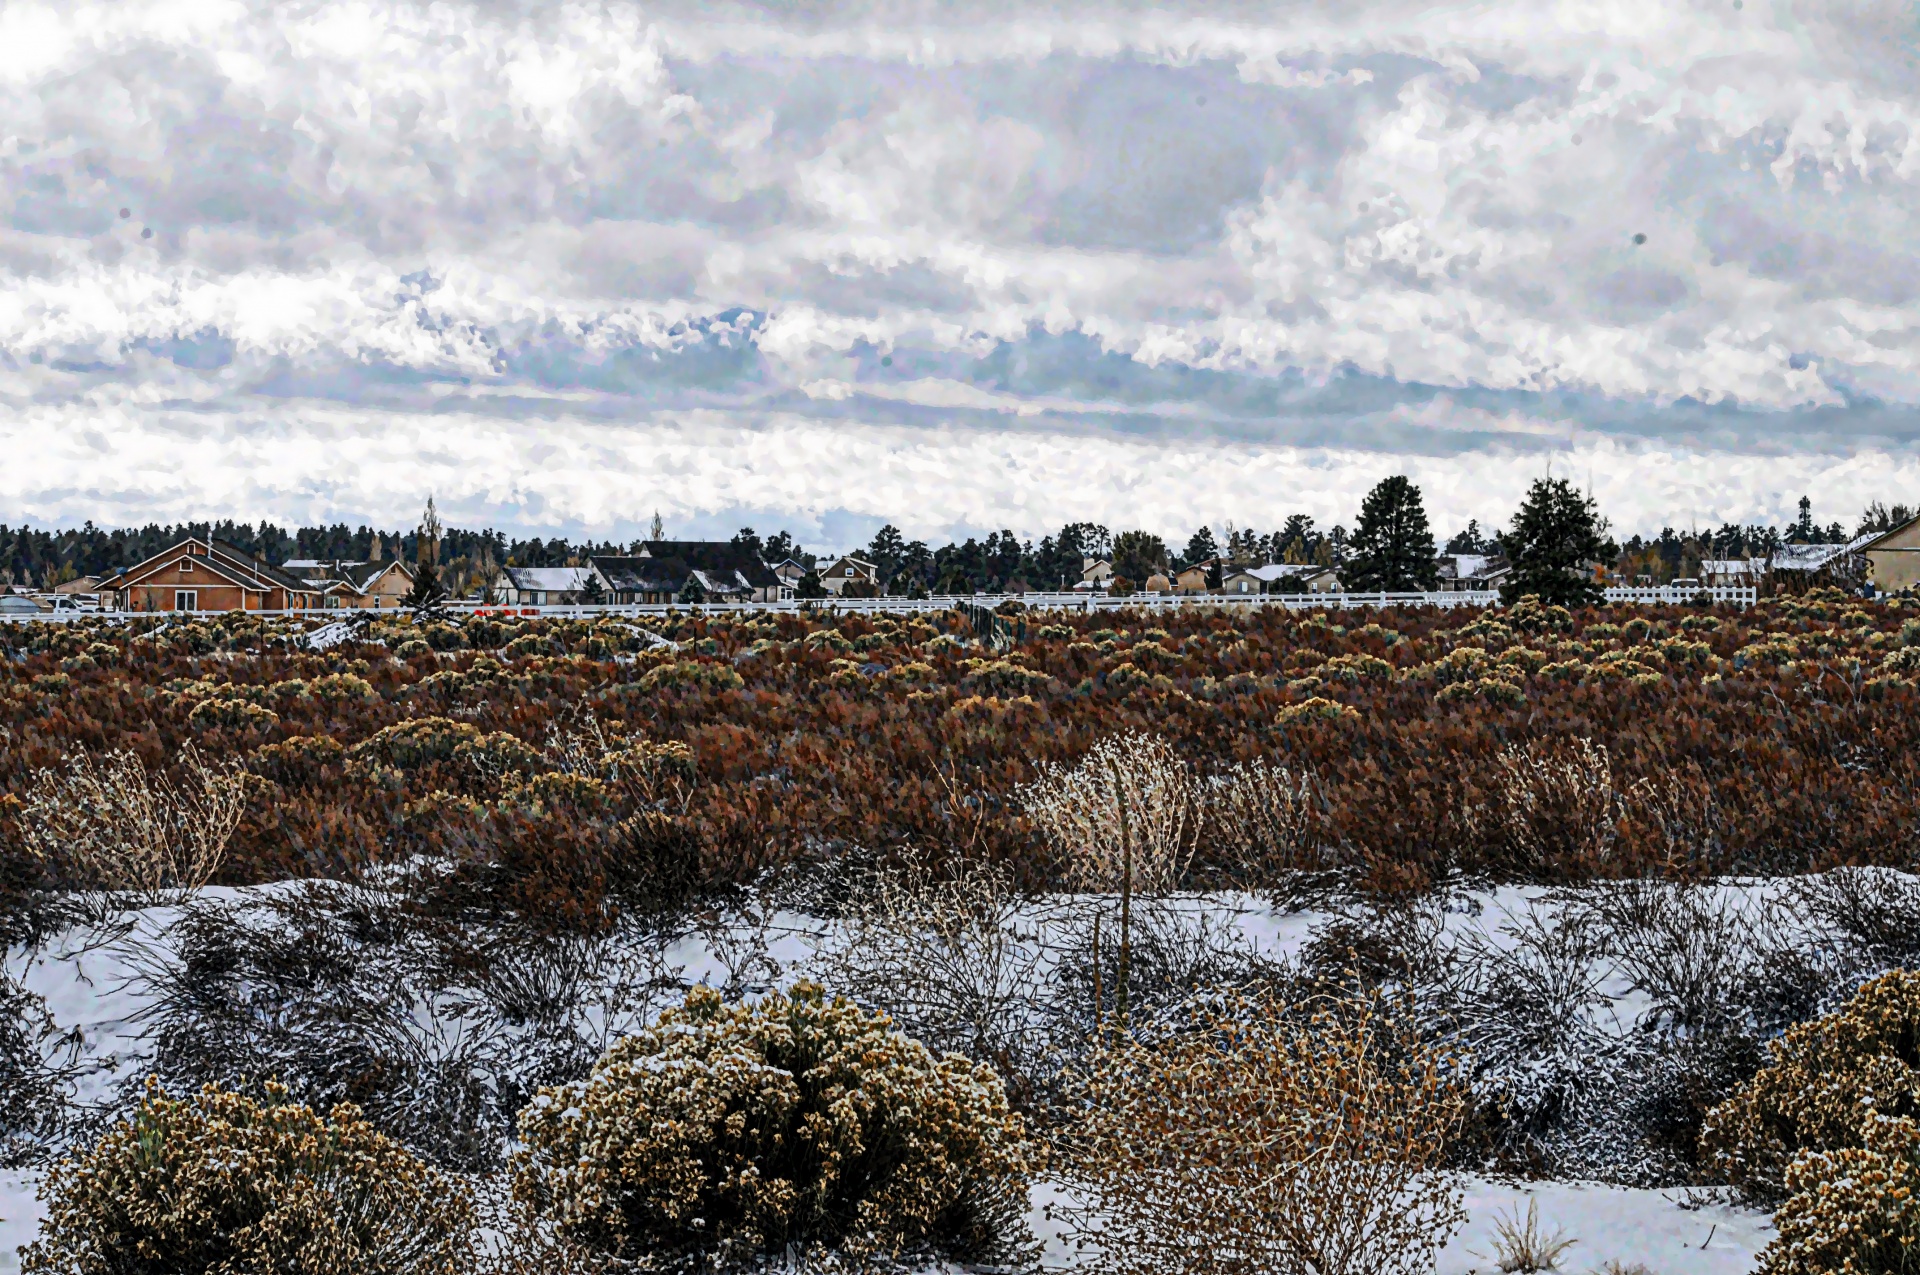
1084,602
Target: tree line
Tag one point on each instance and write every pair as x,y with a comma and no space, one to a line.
1391,547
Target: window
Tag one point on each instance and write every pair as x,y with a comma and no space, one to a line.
186,600
186,565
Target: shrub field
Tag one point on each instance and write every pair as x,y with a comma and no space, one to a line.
1521,744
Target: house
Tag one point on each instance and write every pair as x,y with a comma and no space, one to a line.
789,572
356,585
79,585
207,575
661,570
1261,579
1193,579
1733,571
544,586
1095,573
853,576
1893,558
1471,572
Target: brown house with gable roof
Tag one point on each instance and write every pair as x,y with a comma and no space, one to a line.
207,575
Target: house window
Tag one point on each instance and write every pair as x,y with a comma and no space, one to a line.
186,565
186,600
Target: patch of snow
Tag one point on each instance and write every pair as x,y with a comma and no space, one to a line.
1612,1224
20,1215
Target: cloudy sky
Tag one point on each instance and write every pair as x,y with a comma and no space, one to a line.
957,266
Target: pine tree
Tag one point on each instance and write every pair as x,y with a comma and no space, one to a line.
1392,546
1555,535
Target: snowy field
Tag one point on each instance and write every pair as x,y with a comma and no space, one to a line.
1608,1224
98,988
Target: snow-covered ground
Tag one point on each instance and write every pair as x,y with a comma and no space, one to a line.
1608,1224
94,984
1612,1224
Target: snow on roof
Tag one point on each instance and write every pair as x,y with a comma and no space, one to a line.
1814,557
549,579
1280,570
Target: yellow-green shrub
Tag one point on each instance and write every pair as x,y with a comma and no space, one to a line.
225,1185
1821,1080
725,1132
1854,1211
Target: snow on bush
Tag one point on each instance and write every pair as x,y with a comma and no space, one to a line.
1823,1078
723,1134
223,1183
1854,1210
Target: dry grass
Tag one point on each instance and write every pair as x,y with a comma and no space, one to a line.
1520,1248
107,822
1125,817
1262,817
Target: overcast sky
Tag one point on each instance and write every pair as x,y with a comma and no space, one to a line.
958,267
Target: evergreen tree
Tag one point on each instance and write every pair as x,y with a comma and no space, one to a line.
693,593
1555,535
1200,547
592,593
888,551
1392,546
427,592
1137,555
810,586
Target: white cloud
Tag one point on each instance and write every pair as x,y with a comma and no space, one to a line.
357,213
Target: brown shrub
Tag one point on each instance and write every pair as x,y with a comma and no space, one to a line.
222,1183
1260,1137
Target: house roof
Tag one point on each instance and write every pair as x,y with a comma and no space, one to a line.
1278,571
548,579
669,574
331,576
1876,540
362,574
1814,557
664,566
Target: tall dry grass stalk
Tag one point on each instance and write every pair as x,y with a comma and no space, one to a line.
1555,801
1261,816
1125,817
953,958
1263,1138
106,822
